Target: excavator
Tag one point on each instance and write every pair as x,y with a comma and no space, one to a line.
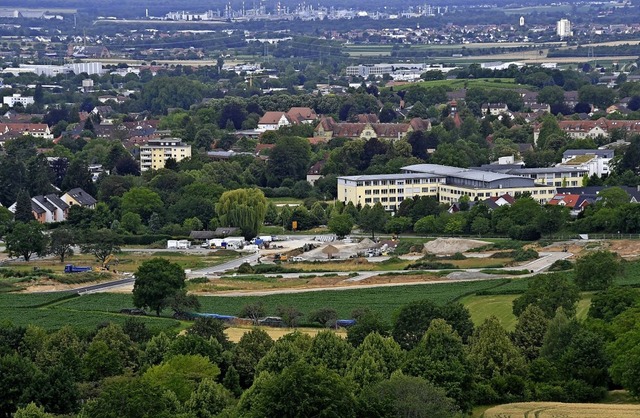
108,262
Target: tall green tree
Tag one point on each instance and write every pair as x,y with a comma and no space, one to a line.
102,243
529,333
596,270
340,225
406,396
243,208
373,219
143,201
157,280
125,396
331,351
247,353
62,242
181,374
26,239
441,359
209,399
78,175
289,159
549,292
499,366
301,390
23,207
413,320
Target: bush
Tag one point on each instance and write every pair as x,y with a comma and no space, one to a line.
430,265
561,265
408,246
458,256
199,280
245,268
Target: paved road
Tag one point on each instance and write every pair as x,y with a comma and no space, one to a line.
535,266
104,287
221,268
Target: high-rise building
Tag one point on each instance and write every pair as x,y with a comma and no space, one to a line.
563,28
521,21
155,154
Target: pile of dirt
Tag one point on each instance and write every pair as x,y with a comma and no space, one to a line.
448,246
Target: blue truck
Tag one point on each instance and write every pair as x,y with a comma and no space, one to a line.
70,268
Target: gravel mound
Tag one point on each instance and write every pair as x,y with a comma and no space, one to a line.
448,246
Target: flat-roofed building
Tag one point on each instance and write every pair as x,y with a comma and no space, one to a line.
156,152
445,183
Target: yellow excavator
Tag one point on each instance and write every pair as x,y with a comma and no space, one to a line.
108,262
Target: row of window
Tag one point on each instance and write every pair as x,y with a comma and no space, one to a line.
369,200
431,190
396,182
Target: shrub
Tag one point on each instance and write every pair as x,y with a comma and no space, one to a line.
561,265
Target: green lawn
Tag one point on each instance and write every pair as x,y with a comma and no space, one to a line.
500,306
483,307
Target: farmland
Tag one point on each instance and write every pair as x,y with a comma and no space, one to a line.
557,409
483,298
87,311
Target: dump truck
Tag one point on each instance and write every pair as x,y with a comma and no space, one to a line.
70,268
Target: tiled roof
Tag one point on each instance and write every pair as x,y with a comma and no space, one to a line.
271,118
82,197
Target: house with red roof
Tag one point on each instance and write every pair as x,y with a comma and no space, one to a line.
575,202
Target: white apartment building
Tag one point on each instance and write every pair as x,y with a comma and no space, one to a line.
563,28
17,98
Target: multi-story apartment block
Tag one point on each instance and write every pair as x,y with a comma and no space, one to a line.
447,184
17,98
156,152
563,28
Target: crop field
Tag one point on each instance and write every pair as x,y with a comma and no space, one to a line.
87,311
565,410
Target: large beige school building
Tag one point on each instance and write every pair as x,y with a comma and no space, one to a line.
447,184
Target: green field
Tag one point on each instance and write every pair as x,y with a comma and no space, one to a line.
483,298
88,311
496,83
483,307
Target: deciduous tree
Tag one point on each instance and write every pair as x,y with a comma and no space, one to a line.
26,239
243,208
156,281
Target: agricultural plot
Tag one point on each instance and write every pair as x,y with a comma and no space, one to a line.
565,410
90,310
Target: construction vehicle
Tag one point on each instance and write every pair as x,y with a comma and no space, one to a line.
280,257
106,265
70,268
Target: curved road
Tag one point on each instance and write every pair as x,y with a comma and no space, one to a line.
535,266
